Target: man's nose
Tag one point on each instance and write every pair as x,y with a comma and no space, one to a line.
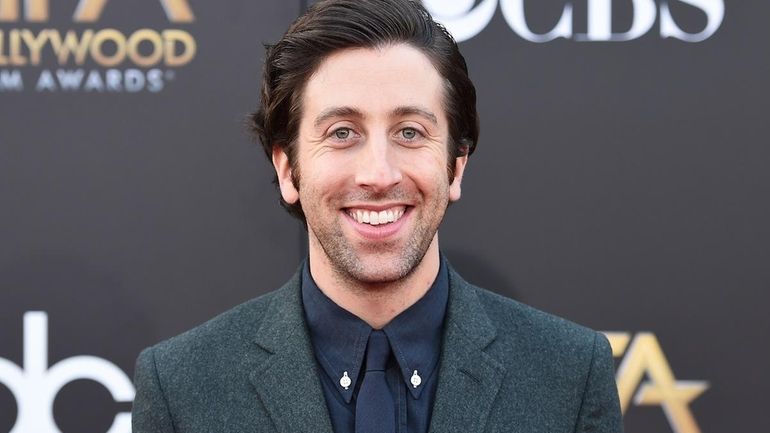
377,166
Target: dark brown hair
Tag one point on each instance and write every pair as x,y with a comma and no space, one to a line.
332,25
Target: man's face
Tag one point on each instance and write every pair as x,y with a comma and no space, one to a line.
372,150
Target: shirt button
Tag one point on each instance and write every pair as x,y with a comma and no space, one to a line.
345,380
416,380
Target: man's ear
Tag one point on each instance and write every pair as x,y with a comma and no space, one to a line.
283,171
454,187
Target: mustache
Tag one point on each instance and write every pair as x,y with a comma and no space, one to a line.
391,195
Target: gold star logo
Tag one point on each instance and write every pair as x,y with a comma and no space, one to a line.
645,357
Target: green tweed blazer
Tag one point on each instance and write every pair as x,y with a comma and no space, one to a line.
504,367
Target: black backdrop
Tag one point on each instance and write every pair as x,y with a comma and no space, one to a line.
622,185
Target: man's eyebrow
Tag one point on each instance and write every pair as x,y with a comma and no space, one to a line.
412,109
337,112
345,111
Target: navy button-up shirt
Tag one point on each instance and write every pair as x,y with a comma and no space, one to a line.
339,341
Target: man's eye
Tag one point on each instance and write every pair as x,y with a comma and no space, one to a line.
409,133
342,133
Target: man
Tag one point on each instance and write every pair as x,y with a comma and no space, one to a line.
368,116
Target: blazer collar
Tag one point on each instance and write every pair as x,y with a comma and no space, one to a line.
287,379
469,378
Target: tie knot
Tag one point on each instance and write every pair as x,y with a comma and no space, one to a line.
377,351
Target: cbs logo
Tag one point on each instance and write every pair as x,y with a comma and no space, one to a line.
465,21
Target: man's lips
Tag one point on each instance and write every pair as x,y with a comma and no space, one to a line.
376,216
382,228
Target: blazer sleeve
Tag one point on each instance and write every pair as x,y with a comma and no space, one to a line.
150,413
600,408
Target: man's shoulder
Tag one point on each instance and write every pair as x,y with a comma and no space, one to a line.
520,327
510,314
541,346
227,335
562,368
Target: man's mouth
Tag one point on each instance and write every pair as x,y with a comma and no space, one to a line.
373,217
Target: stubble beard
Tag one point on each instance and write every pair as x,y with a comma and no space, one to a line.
391,264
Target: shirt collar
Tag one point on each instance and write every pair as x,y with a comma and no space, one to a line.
339,337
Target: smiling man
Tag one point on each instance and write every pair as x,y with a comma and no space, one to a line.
370,171
369,117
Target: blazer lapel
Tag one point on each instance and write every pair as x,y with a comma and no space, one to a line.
287,379
469,379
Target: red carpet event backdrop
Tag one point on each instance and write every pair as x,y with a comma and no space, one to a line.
621,181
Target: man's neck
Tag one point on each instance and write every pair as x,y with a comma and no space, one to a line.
375,303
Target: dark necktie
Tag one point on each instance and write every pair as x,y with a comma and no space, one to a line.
375,410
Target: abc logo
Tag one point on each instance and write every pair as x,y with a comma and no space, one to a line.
35,387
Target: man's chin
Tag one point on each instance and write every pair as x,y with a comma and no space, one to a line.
381,270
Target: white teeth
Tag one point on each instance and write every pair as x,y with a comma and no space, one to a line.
376,218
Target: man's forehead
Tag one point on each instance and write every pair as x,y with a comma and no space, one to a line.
396,79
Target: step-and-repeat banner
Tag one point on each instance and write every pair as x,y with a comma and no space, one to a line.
621,181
